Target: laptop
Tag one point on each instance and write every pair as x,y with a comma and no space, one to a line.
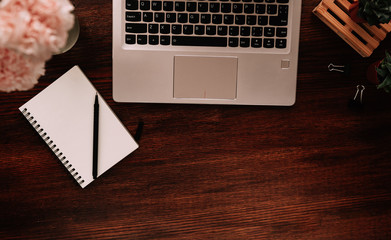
242,52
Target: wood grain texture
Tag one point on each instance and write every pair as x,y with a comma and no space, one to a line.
317,170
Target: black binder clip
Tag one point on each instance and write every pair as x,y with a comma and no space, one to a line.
357,102
345,69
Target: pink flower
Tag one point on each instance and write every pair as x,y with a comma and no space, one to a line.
35,27
18,72
30,32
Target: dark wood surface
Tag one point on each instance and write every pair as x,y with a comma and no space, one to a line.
317,170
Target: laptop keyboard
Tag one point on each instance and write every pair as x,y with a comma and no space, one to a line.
213,23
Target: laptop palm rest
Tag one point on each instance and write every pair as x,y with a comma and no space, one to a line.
205,77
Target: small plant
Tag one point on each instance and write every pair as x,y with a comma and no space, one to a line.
375,11
384,73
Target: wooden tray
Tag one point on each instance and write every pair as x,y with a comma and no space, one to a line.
360,36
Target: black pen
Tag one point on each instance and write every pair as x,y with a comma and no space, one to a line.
96,135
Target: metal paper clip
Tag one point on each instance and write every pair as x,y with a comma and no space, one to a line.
339,68
360,90
357,102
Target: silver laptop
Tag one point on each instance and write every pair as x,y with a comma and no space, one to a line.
206,52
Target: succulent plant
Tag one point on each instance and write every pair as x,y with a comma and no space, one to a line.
375,11
384,73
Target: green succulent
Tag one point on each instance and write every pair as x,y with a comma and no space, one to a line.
375,11
384,73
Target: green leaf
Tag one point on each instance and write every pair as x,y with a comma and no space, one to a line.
386,84
388,57
388,66
382,73
375,11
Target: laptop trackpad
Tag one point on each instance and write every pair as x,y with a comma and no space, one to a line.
205,77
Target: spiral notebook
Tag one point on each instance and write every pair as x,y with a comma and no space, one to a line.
62,114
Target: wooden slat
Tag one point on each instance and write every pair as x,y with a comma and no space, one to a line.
369,37
386,27
378,33
345,4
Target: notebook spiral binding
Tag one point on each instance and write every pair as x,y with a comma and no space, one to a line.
52,146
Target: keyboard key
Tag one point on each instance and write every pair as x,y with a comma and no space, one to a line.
282,18
283,1
278,21
176,29
244,42
222,30
260,8
159,17
199,29
244,31
226,7
233,30
205,18
268,42
165,40
240,19
145,5
180,6
271,9
249,8
217,18
283,10
202,6
153,28
214,7
263,20
130,39
269,32
256,42
210,30
251,20
131,4
194,18
168,6
136,27
199,41
228,19
183,17
188,29
281,32
191,6
156,5
256,31
280,43
153,39
233,42
237,8
147,16
133,16
142,39
170,17
164,28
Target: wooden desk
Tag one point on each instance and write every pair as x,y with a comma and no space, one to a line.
317,170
